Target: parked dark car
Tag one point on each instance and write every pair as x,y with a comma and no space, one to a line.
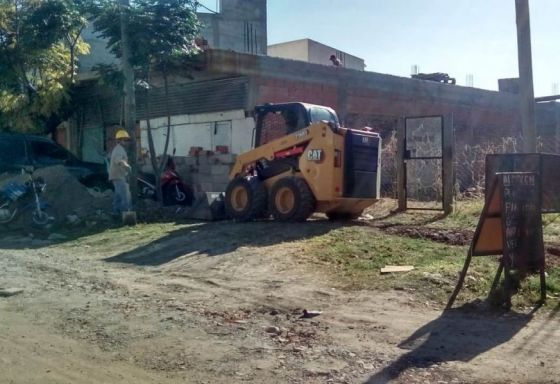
18,150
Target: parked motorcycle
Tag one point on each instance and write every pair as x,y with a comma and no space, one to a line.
174,191
24,200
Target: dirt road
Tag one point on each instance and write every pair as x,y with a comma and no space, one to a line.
222,302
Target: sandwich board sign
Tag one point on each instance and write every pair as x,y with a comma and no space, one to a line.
510,225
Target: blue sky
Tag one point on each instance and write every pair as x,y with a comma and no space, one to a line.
458,37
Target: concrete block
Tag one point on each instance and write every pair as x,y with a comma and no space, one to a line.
203,168
180,160
220,169
227,158
220,179
220,187
191,160
203,178
183,171
206,187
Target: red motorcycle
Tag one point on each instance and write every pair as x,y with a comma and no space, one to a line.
174,191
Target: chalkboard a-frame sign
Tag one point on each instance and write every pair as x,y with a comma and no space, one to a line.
510,225
523,246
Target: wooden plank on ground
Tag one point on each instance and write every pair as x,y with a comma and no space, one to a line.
396,268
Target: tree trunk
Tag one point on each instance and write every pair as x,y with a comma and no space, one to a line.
151,146
167,112
130,98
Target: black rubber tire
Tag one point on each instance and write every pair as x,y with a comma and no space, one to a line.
336,216
256,199
304,200
12,207
47,219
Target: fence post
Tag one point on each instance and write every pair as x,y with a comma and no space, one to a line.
401,166
448,163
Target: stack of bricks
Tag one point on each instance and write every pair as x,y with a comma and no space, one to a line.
205,171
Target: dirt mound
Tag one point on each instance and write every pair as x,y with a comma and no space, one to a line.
65,194
452,236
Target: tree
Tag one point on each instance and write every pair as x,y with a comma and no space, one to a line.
39,42
161,38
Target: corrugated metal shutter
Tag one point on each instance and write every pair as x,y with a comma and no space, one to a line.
196,97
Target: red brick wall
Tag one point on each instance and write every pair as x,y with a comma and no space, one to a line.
273,90
380,110
362,98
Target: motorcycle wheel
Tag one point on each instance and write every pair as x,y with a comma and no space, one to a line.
43,219
177,195
9,210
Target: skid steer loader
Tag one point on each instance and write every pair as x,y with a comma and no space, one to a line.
304,162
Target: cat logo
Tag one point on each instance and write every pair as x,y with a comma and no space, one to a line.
315,155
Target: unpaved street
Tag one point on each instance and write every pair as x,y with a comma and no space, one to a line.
222,302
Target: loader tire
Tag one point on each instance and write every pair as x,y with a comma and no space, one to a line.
337,216
245,199
291,199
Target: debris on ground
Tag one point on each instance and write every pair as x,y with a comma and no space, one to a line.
396,268
273,330
310,314
210,206
70,201
7,292
76,205
56,237
453,236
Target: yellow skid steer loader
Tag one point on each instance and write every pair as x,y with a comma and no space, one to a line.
303,162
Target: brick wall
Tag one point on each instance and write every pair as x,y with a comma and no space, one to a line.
484,121
367,98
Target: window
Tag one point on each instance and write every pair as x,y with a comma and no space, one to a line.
319,114
12,151
48,153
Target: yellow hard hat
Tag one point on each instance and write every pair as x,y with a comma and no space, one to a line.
122,134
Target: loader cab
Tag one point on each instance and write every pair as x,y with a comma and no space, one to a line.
274,121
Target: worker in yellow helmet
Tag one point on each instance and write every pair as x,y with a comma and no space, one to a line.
118,173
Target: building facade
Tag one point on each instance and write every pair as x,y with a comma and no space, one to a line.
240,25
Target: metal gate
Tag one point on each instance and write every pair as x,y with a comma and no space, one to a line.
426,177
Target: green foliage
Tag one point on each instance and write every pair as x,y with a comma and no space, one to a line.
39,40
161,32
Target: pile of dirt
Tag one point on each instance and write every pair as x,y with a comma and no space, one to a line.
69,199
453,236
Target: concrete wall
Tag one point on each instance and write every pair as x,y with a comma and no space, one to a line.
240,26
321,53
295,50
314,52
207,130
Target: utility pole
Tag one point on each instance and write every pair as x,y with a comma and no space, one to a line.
527,96
129,96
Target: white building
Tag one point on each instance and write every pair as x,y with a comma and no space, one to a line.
312,51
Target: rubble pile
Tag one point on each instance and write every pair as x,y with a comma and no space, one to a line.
72,202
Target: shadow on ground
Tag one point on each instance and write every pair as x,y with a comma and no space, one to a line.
457,335
220,238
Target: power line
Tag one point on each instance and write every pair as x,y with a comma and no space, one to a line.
197,4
